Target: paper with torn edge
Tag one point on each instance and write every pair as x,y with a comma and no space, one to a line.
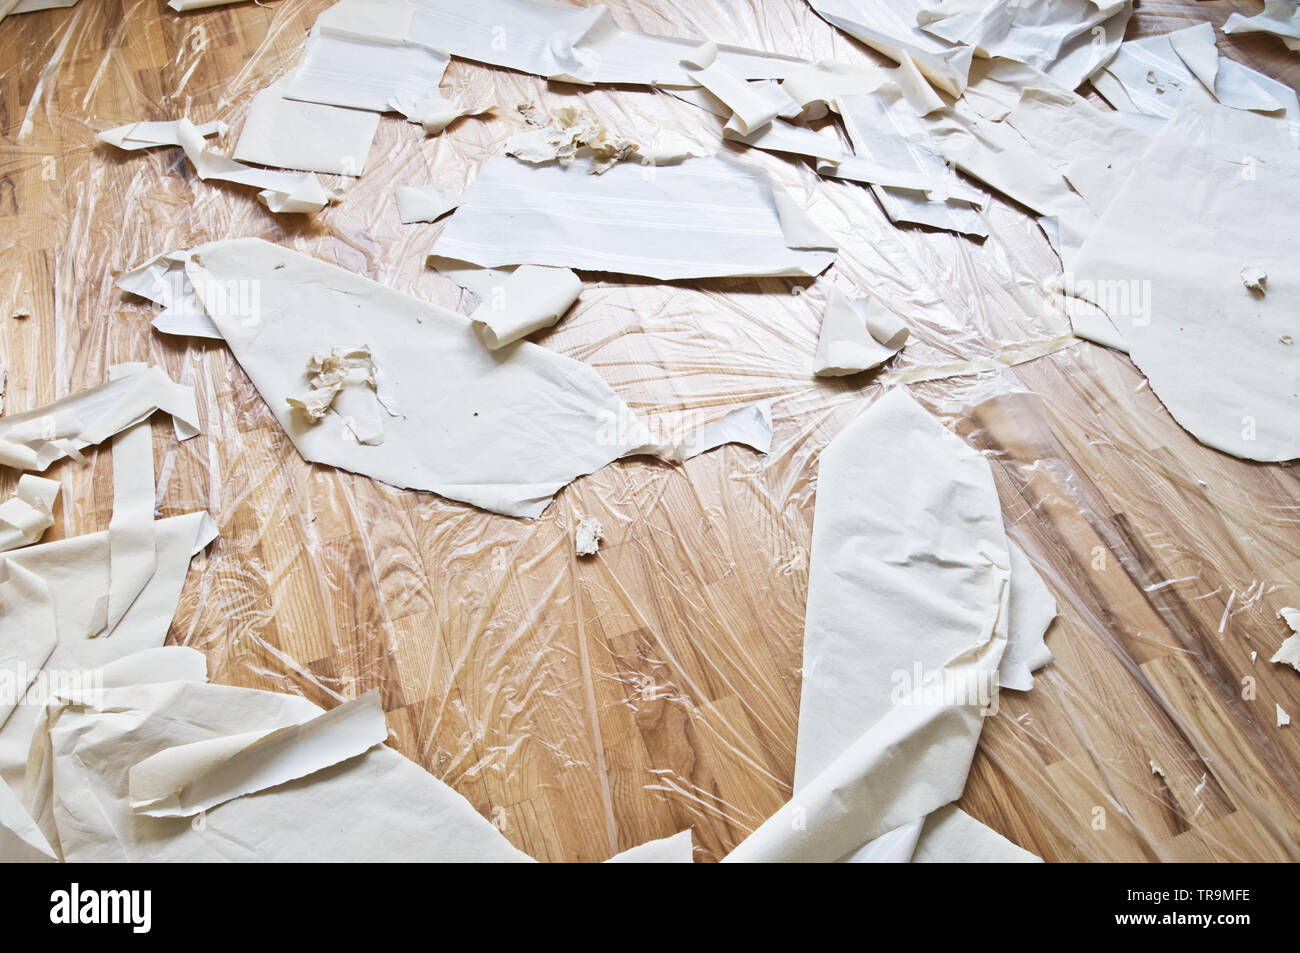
346,380
1170,282
280,191
1032,609
383,20
501,430
677,849
885,132
532,298
752,105
1288,652
891,28
951,836
377,805
751,426
180,6
26,515
21,840
77,576
423,203
37,438
1280,17
570,43
162,280
1152,74
1067,39
34,6
435,112
906,625
184,781
707,217
307,136
345,71
856,335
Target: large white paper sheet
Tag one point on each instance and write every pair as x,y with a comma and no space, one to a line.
706,217
906,625
1216,353
503,430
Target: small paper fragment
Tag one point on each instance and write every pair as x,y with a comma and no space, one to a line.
1289,652
1253,277
424,203
26,515
1283,719
435,112
331,373
856,336
587,537
533,297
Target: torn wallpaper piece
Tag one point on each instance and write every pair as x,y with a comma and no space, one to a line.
587,536
281,191
361,74
751,426
180,782
677,849
951,836
570,43
434,112
1280,17
890,26
423,203
37,438
373,806
26,515
886,132
77,576
1039,33
707,217
501,430
1032,609
1171,283
906,625
345,380
1288,652
35,6
180,6
532,298
309,137
281,781
21,840
1152,74
856,335
162,280
752,105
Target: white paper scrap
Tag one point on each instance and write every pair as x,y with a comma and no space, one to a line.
339,70
856,335
310,137
26,515
707,217
532,298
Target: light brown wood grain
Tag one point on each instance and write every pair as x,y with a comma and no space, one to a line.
587,706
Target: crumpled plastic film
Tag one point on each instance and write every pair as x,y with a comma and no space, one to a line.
593,704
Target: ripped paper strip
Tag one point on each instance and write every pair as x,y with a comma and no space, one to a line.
26,515
856,335
533,297
707,217
37,438
162,280
280,191
907,622
461,435
1170,282
751,426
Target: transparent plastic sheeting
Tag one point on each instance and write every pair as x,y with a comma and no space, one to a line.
590,705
